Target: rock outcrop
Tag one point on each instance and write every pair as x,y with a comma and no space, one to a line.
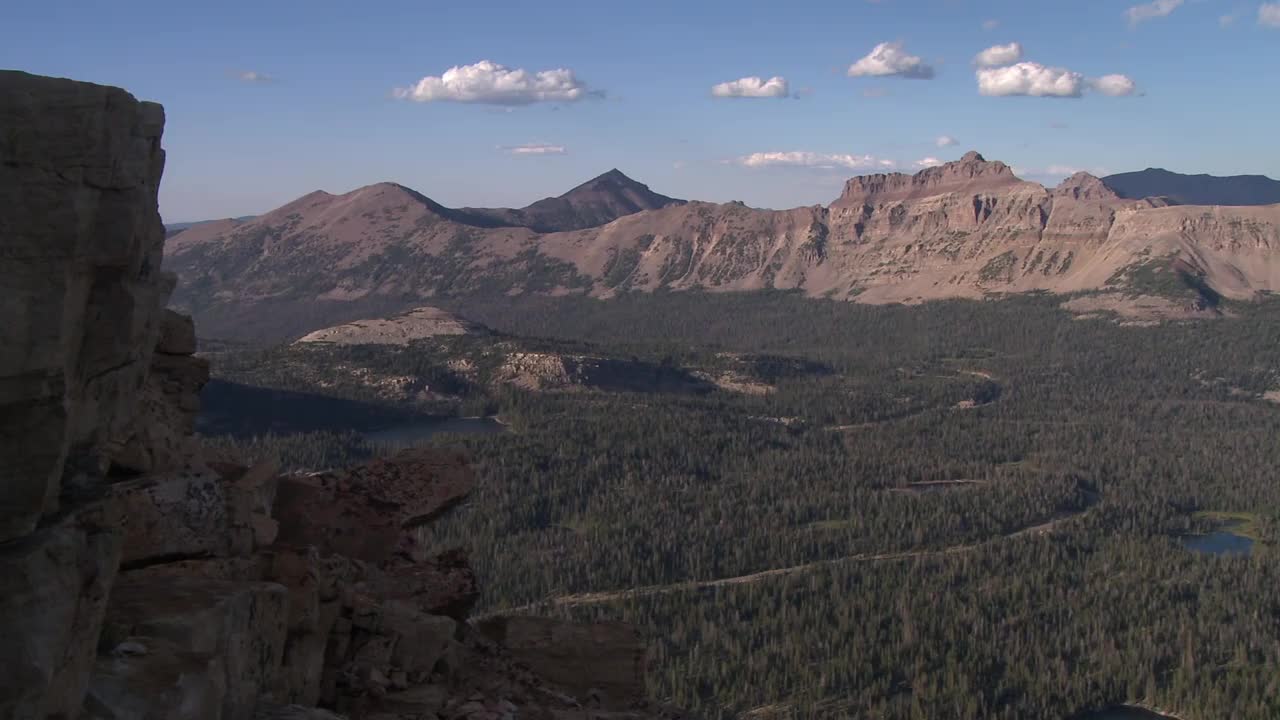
140,579
417,324
79,169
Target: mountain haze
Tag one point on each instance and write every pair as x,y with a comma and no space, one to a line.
968,229
1196,189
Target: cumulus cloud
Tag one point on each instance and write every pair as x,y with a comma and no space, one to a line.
888,58
490,83
999,55
534,149
253,76
1030,78
1114,85
927,162
1152,10
807,159
1269,14
752,87
946,141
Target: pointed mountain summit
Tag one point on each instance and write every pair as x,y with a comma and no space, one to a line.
598,201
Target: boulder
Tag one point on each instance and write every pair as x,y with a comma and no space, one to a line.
229,635
442,585
607,659
144,678
175,516
80,273
367,512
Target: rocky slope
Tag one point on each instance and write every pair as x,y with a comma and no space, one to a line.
969,228
1196,189
141,578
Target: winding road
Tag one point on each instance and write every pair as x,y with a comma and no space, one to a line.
593,598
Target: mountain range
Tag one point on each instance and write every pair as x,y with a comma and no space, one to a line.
1196,189
969,228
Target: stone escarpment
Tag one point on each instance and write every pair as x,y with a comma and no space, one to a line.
141,579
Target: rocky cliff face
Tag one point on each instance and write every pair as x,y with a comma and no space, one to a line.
141,579
970,228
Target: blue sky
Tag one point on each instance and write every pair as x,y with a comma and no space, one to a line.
268,100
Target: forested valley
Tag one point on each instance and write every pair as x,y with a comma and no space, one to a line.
820,509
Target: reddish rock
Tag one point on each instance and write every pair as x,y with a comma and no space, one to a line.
366,512
443,585
604,658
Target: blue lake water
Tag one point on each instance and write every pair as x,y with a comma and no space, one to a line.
1221,542
414,432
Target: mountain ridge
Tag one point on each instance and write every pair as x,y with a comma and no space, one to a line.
966,229
1198,189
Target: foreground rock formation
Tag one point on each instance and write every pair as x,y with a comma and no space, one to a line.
140,579
969,228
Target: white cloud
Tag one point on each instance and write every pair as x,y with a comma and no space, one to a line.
999,55
1269,14
1151,10
887,163
990,24
494,84
807,159
1114,85
927,162
253,76
1057,173
534,149
752,87
888,58
1063,170
1029,78
946,141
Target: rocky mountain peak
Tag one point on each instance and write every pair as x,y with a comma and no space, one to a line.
1084,186
971,173
617,184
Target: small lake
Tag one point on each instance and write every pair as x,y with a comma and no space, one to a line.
409,433
1220,542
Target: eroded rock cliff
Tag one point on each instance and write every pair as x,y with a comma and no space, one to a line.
140,579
